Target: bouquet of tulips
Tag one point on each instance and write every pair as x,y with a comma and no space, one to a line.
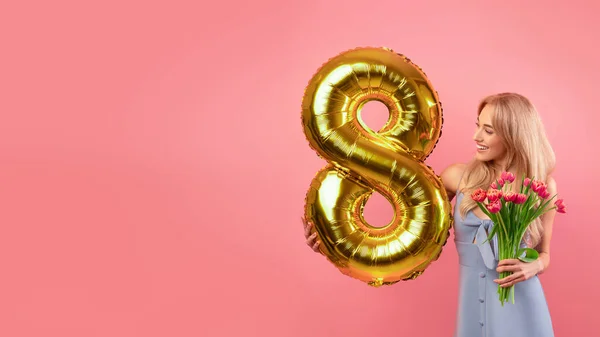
512,213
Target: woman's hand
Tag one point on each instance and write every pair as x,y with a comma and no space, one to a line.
311,240
521,271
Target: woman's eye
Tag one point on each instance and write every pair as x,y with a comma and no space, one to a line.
486,130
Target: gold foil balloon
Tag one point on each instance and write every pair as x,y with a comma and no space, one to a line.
362,161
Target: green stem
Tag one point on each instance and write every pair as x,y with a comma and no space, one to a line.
503,226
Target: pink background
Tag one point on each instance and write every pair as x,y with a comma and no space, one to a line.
153,166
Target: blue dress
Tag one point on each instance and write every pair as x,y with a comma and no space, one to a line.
479,311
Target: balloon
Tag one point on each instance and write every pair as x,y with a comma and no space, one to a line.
362,161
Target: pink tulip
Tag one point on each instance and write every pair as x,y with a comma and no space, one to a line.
494,207
560,206
537,185
520,198
494,185
479,195
526,182
540,188
544,194
508,176
510,196
501,182
494,195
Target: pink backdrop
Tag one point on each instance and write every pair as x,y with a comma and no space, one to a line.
153,166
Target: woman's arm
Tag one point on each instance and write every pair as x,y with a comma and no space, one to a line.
547,221
451,178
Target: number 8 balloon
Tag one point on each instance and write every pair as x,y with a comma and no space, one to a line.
362,161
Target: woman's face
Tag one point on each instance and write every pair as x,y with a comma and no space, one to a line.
489,144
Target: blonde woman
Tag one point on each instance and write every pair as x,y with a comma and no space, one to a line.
509,136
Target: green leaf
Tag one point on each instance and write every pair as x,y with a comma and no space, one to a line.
527,254
491,234
543,207
485,211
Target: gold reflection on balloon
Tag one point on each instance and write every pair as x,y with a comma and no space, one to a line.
363,161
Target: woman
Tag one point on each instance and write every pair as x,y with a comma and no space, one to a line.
509,137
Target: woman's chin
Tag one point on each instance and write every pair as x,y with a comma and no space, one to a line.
481,157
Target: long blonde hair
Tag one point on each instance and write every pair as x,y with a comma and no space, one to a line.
528,151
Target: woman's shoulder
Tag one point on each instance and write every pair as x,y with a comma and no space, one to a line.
451,176
551,183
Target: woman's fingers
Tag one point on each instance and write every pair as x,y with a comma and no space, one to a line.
315,247
311,239
508,262
307,229
508,278
504,268
514,281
